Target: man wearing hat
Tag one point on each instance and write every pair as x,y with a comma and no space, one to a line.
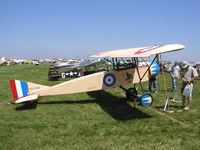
188,76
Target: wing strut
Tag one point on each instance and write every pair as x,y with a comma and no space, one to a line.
149,67
141,78
136,62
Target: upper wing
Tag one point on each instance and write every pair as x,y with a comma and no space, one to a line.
141,51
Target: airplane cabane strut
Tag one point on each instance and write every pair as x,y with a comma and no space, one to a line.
140,79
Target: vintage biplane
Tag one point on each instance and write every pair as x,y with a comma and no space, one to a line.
130,73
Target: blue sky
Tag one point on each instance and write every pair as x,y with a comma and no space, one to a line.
78,28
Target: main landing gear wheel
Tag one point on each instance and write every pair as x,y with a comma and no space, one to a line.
146,100
131,94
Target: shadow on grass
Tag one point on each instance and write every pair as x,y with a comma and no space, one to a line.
69,102
116,107
27,106
33,105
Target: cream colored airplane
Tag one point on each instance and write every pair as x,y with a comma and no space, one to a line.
128,73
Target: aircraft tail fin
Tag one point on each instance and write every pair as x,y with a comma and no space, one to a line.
25,90
19,89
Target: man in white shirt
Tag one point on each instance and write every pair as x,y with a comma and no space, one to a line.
175,74
188,77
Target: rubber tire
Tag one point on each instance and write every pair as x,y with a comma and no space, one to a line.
131,94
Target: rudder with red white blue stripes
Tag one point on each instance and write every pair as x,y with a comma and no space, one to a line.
19,89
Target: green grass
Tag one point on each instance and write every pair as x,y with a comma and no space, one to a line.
97,120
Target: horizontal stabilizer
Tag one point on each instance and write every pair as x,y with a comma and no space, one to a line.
27,98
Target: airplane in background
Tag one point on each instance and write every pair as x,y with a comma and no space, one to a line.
66,63
86,67
20,61
120,75
2,60
8,62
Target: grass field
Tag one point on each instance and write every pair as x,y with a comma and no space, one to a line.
98,120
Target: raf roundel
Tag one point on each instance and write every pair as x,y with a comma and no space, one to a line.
109,80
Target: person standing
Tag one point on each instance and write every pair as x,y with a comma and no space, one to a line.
175,74
154,71
153,81
188,77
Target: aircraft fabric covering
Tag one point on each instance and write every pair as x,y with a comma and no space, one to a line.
141,51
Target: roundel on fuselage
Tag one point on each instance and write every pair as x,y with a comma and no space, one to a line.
109,80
